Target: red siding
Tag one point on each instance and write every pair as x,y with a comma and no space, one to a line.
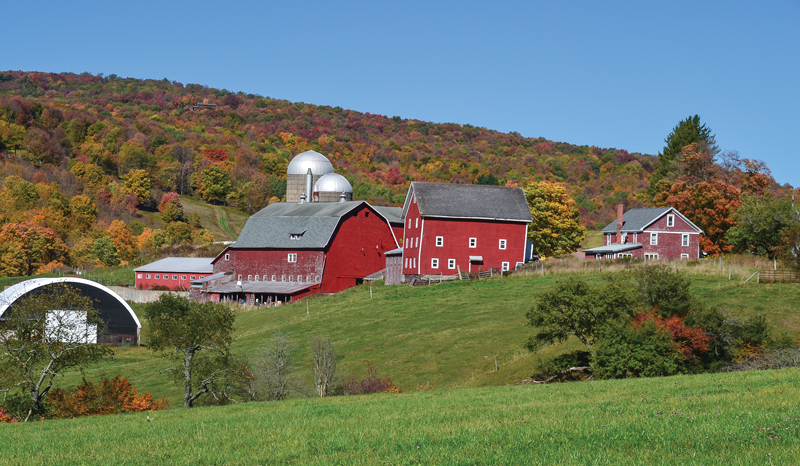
356,251
411,237
670,240
180,284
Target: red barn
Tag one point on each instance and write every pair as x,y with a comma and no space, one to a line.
174,273
467,227
654,233
288,250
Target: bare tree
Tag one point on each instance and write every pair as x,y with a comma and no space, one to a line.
273,369
53,329
324,364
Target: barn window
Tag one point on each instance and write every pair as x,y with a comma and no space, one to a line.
240,278
435,263
316,278
158,276
502,244
292,257
283,278
473,242
139,276
256,277
670,220
439,241
366,214
417,223
684,239
308,278
291,278
451,263
505,266
653,239
174,277
651,257
273,278
227,257
193,277
249,278
147,276
684,256
409,223
299,278
183,277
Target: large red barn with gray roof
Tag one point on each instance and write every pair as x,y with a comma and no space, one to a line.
468,227
289,250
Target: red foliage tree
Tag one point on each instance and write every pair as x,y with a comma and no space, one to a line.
112,397
215,155
690,341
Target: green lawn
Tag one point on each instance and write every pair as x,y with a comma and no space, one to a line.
446,335
729,418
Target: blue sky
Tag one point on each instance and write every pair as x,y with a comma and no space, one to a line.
609,74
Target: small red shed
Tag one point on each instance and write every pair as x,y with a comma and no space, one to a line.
652,233
468,227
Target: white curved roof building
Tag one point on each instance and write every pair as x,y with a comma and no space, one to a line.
121,323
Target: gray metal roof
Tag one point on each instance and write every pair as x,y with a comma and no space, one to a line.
636,220
180,265
263,287
274,225
393,252
318,163
210,277
614,248
392,214
469,201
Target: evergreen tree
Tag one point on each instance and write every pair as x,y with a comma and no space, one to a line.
688,131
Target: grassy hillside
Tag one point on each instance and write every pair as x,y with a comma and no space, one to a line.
446,335
731,418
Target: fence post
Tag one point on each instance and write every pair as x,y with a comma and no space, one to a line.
730,269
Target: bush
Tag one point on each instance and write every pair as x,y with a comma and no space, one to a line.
372,383
662,288
630,351
112,397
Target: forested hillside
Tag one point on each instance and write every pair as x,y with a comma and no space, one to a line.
95,168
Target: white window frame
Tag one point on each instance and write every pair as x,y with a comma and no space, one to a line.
416,223
227,257
473,243
653,239
651,256
503,243
685,239
504,266
183,277
624,254
300,279
409,223
434,263
274,278
608,240
292,257
158,276
193,277
439,241
240,278
174,277
670,220
684,256
451,263
139,276
256,278
283,277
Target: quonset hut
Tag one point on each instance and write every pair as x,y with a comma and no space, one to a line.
121,323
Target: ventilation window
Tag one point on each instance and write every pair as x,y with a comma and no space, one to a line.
451,263
502,244
439,241
292,257
670,220
473,242
435,263
227,257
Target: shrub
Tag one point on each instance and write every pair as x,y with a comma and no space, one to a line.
628,350
5,417
372,383
112,397
662,288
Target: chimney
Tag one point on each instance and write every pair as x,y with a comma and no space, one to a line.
309,185
619,223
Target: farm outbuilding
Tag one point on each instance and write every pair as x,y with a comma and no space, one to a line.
650,234
451,227
173,273
120,322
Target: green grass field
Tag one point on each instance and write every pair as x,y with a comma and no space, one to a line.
223,222
740,418
446,335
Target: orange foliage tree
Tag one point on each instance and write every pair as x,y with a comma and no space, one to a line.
691,341
113,396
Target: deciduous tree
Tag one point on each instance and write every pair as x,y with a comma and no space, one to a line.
556,227
24,247
196,335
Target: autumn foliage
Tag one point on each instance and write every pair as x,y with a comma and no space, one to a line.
5,417
113,396
691,341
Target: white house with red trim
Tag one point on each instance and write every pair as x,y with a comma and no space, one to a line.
653,233
448,227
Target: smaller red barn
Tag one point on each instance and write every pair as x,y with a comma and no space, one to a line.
468,227
653,233
174,273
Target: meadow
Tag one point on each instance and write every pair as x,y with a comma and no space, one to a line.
446,335
740,418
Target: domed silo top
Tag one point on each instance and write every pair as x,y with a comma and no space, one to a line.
333,183
318,163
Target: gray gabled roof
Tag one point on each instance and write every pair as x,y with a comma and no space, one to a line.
636,220
274,225
469,201
179,265
392,214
